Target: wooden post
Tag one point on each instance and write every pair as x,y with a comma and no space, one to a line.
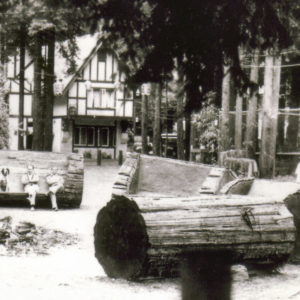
238,122
157,129
144,124
99,157
224,142
270,115
120,158
134,116
180,132
206,275
251,128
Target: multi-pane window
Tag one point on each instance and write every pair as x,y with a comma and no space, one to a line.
100,98
90,136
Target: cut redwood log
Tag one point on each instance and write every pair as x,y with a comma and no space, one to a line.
148,237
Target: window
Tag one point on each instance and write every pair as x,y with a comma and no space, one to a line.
94,136
91,136
80,136
100,98
97,98
84,136
103,137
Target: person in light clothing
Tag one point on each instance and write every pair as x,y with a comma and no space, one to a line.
56,184
30,181
297,172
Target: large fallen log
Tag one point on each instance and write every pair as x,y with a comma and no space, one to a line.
148,237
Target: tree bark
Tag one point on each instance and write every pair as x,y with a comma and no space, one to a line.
187,135
144,124
149,237
180,131
238,122
224,143
49,95
4,115
38,101
157,127
251,128
270,115
21,95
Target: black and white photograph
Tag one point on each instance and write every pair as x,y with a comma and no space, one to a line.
150,149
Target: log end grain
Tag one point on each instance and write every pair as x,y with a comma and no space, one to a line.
120,239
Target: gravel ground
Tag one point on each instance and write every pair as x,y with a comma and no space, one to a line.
72,272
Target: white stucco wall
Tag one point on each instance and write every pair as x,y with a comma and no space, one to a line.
13,136
57,135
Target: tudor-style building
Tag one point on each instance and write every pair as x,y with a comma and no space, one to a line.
92,109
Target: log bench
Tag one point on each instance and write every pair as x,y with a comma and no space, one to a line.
157,218
142,237
70,167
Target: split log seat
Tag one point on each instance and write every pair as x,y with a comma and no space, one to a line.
152,175
140,237
70,166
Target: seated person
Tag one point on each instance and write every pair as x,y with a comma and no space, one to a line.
56,184
30,181
297,172
4,182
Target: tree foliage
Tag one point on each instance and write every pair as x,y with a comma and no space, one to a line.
195,36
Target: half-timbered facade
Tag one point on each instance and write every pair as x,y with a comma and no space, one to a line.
92,109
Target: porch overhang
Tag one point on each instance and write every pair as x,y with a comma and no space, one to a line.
99,120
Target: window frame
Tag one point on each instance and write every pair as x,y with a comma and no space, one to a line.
110,136
99,137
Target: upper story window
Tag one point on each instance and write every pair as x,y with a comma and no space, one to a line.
100,98
101,73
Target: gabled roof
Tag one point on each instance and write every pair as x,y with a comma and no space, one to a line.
88,46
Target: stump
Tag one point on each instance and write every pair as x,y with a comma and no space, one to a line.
146,237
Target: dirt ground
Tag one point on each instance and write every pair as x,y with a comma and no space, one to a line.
72,272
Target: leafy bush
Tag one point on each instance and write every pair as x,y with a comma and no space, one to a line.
207,129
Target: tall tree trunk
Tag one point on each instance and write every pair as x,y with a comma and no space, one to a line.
157,128
238,122
270,115
180,132
49,95
187,135
293,102
251,128
224,141
144,124
21,95
38,101
4,133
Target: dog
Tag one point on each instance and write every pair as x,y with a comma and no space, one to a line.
4,182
